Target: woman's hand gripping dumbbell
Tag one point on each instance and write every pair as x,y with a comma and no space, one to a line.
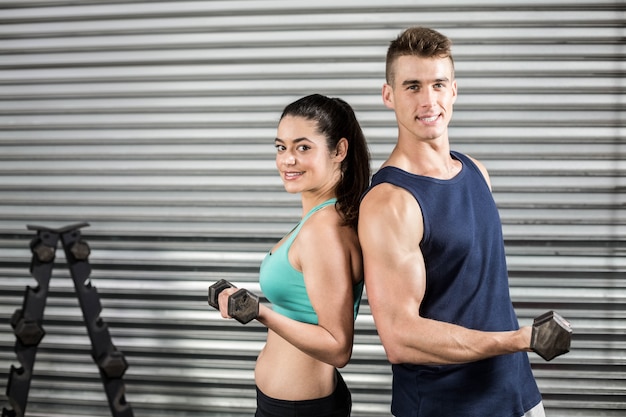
243,305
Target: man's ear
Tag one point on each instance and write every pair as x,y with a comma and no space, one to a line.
341,150
387,94
455,90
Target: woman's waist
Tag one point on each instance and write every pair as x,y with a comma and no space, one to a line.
284,372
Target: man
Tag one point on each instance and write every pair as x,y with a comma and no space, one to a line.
435,267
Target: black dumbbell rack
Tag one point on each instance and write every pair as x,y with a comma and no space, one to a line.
27,321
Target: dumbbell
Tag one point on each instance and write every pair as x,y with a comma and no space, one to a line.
551,335
29,332
243,305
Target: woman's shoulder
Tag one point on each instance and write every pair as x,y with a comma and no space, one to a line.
325,237
327,226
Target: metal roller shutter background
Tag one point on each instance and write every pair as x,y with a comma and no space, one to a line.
153,121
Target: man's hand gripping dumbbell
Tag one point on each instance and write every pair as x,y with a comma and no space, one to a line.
551,335
242,305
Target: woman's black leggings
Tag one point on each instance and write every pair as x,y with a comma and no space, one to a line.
337,404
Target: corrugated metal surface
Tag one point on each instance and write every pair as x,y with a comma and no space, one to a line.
153,121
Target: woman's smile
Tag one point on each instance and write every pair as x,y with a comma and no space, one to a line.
292,175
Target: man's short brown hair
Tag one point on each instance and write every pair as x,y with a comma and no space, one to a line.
417,41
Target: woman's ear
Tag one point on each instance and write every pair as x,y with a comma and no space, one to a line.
341,150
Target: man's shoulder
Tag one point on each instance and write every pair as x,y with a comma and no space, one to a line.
384,193
387,200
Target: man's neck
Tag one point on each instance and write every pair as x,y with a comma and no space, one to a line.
430,159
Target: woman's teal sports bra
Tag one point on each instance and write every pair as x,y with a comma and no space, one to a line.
284,286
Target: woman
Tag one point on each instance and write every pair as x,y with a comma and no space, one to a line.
313,276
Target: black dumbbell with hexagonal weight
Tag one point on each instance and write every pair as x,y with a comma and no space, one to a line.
243,305
113,364
28,331
551,335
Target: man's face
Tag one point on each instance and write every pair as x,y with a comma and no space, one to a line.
422,96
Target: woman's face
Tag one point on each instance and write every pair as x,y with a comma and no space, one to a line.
303,159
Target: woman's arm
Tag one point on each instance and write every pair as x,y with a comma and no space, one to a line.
324,251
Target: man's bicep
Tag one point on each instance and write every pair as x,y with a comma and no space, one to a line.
390,232
395,282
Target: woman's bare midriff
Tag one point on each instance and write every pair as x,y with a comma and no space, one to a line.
286,373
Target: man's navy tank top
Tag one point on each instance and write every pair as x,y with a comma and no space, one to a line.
466,284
